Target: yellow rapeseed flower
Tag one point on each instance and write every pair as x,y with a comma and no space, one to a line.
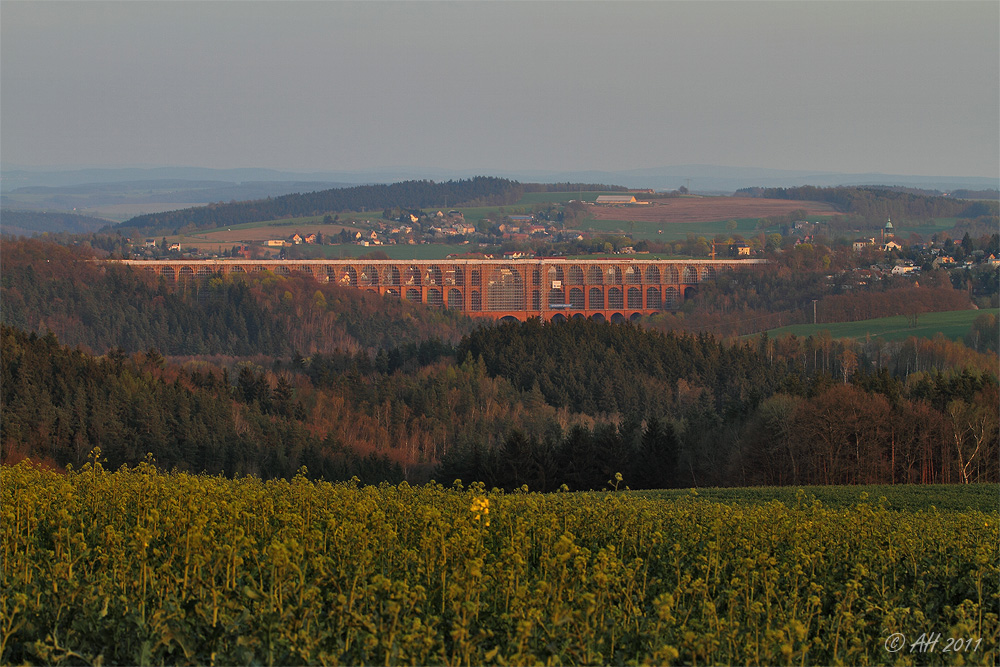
481,510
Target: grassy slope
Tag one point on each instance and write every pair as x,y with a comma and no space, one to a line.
675,231
952,324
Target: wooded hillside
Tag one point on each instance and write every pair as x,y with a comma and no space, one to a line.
274,373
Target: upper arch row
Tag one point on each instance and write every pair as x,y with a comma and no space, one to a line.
370,274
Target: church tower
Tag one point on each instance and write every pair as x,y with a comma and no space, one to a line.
887,231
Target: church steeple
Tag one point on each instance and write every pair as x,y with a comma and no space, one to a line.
888,229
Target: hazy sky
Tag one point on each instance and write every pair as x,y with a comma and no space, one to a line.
893,87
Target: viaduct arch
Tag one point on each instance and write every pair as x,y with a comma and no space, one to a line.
550,288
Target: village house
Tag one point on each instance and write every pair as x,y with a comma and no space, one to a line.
861,244
371,238
740,250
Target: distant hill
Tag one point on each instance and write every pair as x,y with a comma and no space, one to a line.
697,177
480,191
32,223
155,194
14,178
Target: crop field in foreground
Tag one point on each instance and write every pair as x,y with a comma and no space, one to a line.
139,567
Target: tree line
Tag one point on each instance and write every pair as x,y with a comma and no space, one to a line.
694,410
58,404
763,412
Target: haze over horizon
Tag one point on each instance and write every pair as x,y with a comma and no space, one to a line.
896,88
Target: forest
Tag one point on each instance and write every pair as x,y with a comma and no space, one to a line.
59,404
542,405
51,287
266,375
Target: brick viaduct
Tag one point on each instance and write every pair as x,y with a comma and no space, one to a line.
549,288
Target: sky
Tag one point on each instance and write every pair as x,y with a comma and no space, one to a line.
897,87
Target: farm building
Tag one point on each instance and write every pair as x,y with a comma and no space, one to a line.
615,199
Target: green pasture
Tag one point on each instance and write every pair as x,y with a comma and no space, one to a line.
528,201
952,324
902,497
290,223
473,214
924,227
672,231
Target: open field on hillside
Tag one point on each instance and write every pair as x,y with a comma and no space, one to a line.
707,209
138,566
262,233
257,232
677,231
952,324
